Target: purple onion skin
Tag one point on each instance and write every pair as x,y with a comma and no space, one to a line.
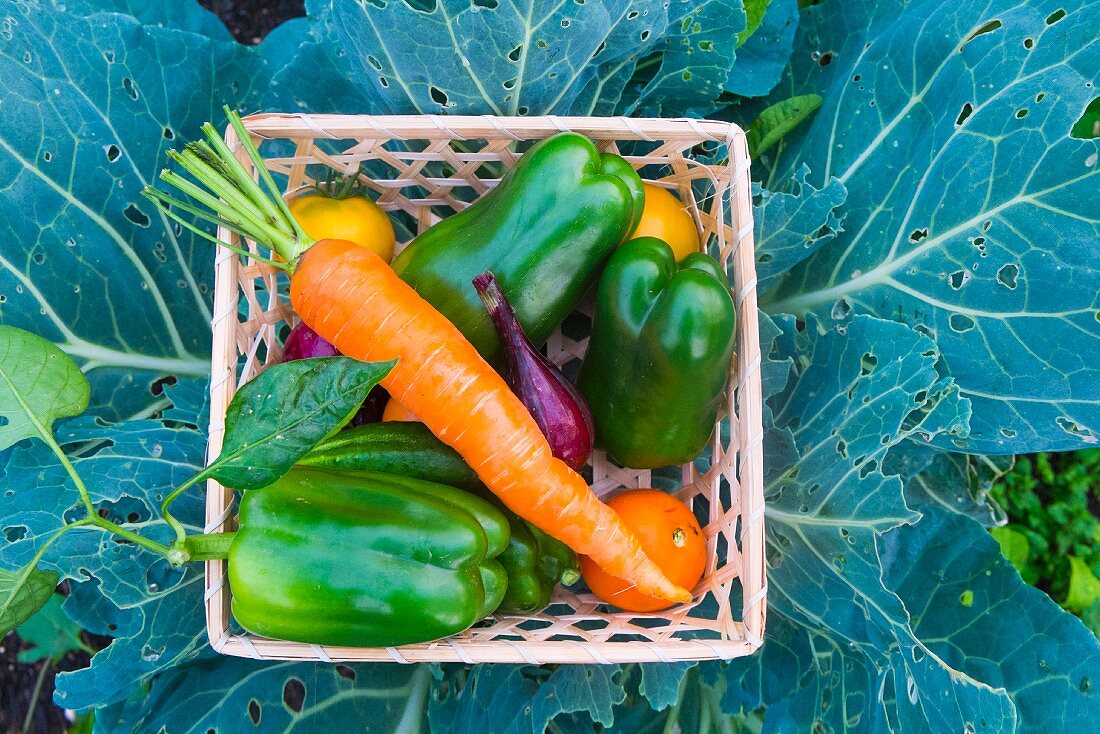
557,407
305,343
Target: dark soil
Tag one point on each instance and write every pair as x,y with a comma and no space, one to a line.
17,681
250,20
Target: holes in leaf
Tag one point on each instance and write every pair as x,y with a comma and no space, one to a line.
294,695
1029,43
1021,113
841,309
1056,16
438,96
686,75
47,156
960,323
38,257
112,152
868,469
1072,427
514,54
826,58
958,279
136,216
842,448
1039,96
1007,275
109,57
169,134
541,44
867,363
1087,126
487,4
600,49
523,110
643,36
706,45
254,711
987,28
918,234
14,533
509,83
967,598
765,258
1008,433
632,15
345,672
965,112
564,22
130,87
384,82
375,63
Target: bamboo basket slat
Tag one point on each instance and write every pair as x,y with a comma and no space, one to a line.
422,166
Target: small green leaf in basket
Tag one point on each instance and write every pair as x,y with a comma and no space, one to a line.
277,417
22,593
39,383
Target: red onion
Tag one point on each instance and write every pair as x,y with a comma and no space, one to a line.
557,407
305,343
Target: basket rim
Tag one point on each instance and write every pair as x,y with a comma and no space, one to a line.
434,127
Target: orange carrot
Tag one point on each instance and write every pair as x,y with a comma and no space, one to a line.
352,298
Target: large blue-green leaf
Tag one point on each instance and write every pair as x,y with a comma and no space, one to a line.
844,407
967,200
518,57
90,107
984,621
789,227
513,699
693,60
761,60
236,695
957,483
153,609
184,15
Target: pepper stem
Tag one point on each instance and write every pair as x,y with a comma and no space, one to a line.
209,547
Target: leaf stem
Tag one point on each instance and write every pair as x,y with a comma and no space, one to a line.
176,525
50,441
47,664
110,527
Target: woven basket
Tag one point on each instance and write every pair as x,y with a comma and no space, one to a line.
425,166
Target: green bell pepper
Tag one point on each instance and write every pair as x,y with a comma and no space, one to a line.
534,561
657,361
364,559
545,231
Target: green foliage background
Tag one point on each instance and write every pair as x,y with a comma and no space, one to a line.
929,260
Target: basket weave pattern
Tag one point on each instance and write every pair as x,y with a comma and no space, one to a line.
424,166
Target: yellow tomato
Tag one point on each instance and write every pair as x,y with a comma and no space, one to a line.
666,218
355,218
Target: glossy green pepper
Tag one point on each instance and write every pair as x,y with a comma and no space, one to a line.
545,231
657,361
364,559
534,561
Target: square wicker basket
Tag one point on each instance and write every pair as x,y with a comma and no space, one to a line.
425,166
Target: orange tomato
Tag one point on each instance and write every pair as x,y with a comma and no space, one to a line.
670,535
666,218
355,218
395,411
